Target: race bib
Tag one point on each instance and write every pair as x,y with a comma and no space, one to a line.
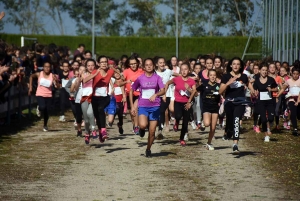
87,91
118,91
294,91
44,82
64,82
147,93
101,91
236,84
264,95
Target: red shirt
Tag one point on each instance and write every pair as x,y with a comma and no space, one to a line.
100,81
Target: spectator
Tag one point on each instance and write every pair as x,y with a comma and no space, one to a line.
80,50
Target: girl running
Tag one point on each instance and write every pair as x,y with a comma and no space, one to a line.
165,75
131,73
211,100
44,90
293,97
86,99
234,82
151,87
100,98
183,99
63,94
262,88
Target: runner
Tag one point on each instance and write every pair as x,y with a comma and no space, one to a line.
183,99
44,90
234,82
86,105
131,73
63,94
262,88
100,98
166,75
293,97
151,87
120,96
211,100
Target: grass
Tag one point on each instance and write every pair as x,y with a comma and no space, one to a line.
280,157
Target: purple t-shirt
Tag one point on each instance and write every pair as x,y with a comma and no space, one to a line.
148,86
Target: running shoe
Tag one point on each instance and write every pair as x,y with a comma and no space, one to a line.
136,130
210,147
148,153
94,134
295,133
121,131
142,132
160,136
109,125
75,124
104,135
182,143
225,138
202,126
62,118
79,133
186,137
87,139
198,126
45,129
235,149
267,138
256,129
38,113
193,125
175,127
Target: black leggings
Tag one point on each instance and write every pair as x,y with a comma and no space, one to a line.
73,108
44,106
78,112
64,97
163,107
264,107
180,112
234,114
119,112
295,113
99,104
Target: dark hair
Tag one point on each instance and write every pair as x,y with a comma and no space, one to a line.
124,56
81,45
87,51
229,69
263,65
211,70
132,57
92,60
65,62
209,58
192,59
75,62
149,59
218,57
78,56
186,63
100,57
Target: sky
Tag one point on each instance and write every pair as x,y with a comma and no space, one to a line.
70,24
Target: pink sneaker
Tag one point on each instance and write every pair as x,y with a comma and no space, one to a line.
256,129
182,143
94,134
103,135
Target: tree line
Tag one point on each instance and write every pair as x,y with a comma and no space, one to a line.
154,18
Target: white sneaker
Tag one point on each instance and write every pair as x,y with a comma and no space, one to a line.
210,147
193,125
38,113
62,118
267,138
186,137
75,124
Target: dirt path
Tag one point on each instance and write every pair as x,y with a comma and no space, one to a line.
62,167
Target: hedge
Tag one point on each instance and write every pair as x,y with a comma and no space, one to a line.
149,46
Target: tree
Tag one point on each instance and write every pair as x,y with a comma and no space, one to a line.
54,10
26,15
151,19
81,12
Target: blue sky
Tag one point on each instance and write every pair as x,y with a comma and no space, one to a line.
69,23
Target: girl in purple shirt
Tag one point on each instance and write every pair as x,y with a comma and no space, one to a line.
151,88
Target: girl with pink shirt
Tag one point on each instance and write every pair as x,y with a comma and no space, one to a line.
183,99
44,90
293,97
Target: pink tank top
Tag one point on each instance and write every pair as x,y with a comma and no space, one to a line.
44,88
87,88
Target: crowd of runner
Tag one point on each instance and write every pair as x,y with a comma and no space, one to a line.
157,92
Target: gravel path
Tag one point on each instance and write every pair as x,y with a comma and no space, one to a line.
118,170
